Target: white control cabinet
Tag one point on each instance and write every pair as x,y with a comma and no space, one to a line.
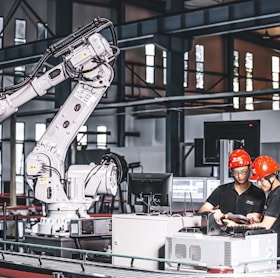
144,236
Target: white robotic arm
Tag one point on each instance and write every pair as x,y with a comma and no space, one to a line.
88,60
47,159
81,47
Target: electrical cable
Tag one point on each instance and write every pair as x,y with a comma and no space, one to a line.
46,167
90,174
62,46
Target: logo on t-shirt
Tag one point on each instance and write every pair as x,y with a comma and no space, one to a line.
250,202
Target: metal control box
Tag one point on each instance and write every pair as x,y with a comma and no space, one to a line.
223,251
86,227
144,236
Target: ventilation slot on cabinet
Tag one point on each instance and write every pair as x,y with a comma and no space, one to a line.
181,251
227,253
195,252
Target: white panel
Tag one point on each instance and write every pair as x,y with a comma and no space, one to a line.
144,236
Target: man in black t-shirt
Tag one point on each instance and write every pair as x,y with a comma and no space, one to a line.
265,172
238,197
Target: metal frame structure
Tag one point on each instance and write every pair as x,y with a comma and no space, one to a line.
173,31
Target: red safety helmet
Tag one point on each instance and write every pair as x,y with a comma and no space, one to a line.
239,158
263,166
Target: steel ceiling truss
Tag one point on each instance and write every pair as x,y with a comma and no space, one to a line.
226,19
217,20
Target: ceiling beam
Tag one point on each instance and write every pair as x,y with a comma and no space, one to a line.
24,54
217,20
189,98
225,19
164,100
151,5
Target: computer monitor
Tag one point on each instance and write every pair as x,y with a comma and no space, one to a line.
150,189
244,134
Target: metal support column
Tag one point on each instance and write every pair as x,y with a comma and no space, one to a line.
174,6
175,131
63,27
228,58
13,200
226,147
174,116
121,82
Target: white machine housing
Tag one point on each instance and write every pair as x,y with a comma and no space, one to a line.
87,58
223,251
144,236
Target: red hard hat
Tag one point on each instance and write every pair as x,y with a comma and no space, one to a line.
263,166
239,158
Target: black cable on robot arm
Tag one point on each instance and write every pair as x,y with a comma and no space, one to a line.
77,37
62,46
30,76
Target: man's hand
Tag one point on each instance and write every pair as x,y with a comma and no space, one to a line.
229,223
254,217
218,216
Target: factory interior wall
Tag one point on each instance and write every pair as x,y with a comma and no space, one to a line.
151,151
149,146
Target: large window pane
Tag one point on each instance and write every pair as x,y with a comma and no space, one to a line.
249,79
186,67
164,66
42,32
20,31
82,137
1,31
199,57
101,137
275,82
40,128
20,158
150,63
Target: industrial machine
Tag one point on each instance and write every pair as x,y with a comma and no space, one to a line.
237,249
87,57
144,235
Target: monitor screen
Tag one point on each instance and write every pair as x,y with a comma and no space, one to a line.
244,134
150,189
188,188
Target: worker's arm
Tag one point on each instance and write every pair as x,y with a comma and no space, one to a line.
254,217
206,207
267,222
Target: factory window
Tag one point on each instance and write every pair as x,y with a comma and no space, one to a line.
1,30
101,137
275,102
40,128
1,46
19,74
199,61
186,65
20,38
275,82
249,79
164,66
20,157
42,32
249,71
150,63
1,158
20,31
82,137
235,78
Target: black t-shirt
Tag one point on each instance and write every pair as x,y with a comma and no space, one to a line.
228,200
272,209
